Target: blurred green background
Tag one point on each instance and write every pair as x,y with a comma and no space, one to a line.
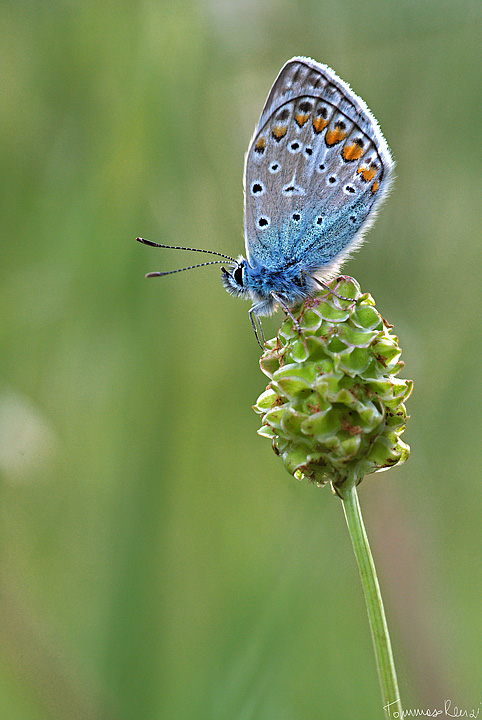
156,559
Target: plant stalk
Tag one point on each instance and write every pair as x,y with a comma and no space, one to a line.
392,706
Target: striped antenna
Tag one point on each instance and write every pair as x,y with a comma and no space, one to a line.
190,267
179,247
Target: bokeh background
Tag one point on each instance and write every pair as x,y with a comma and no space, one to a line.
156,559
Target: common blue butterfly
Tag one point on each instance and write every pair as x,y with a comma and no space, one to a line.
316,171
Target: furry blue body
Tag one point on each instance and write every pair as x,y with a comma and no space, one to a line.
267,286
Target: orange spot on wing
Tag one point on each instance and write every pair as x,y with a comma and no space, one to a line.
352,152
301,119
367,173
334,136
279,132
260,145
375,187
319,124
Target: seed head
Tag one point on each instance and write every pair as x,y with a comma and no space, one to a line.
334,407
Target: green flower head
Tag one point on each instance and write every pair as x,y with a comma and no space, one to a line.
334,407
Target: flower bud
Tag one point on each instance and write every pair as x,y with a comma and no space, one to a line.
334,407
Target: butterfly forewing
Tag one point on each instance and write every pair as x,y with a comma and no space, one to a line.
317,166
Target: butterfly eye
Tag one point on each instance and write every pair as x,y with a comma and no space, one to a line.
238,275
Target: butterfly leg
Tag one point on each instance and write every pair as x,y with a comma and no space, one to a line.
290,314
287,311
258,328
327,287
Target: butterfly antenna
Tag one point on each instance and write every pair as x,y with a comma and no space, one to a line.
180,247
190,267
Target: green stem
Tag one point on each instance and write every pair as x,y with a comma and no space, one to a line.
376,613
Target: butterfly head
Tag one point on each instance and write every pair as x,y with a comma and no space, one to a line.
234,279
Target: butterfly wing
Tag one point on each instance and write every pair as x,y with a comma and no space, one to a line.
316,170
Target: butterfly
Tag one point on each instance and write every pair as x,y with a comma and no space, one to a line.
316,172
